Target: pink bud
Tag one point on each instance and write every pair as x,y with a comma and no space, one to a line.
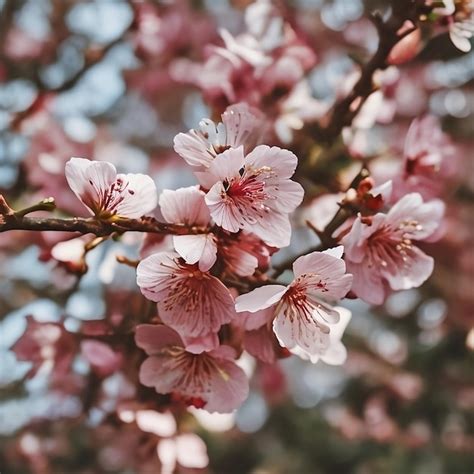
407,48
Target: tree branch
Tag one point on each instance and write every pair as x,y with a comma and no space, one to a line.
346,109
94,226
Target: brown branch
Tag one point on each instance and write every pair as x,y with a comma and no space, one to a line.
346,109
345,211
94,226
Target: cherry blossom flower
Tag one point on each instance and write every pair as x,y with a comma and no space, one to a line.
253,192
380,250
108,194
102,358
240,125
302,317
192,302
48,346
459,15
210,380
429,159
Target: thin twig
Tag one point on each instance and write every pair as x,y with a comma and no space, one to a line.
347,108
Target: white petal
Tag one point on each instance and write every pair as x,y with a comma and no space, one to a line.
200,248
260,298
184,206
139,198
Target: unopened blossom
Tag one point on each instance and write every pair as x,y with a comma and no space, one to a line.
209,380
191,301
301,312
110,195
381,250
240,125
254,192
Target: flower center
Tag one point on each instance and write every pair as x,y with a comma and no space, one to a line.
392,247
187,289
110,198
249,193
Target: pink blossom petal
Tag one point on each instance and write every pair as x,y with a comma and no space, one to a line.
416,269
152,338
335,252
206,307
257,319
259,343
192,302
304,332
200,248
288,197
153,274
223,210
141,196
191,451
356,240
184,206
151,421
193,149
160,373
367,283
274,229
282,162
336,354
229,388
101,356
425,216
206,343
260,298
224,352
80,172
167,454
324,273
242,125
227,164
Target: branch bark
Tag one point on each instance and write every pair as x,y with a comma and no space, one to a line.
346,109
94,226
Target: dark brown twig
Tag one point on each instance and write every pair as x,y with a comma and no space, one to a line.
94,226
389,35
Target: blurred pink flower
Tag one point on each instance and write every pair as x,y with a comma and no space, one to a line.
429,159
192,302
210,380
48,346
187,450
103,359
302,319
253,192
380,252
108,194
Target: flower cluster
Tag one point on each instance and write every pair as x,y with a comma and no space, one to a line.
235,217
